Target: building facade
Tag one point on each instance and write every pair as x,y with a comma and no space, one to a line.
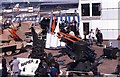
101,14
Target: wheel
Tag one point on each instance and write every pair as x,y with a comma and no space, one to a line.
9,53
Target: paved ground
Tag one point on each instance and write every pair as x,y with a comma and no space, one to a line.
108,66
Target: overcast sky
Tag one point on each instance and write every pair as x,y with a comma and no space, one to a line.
71,1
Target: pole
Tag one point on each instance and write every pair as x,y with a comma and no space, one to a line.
118,66
50,25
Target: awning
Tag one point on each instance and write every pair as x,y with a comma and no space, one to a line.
38,19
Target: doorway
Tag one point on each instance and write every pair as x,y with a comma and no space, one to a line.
85,29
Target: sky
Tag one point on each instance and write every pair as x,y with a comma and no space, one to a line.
71,1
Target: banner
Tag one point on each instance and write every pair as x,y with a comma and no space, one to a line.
28,66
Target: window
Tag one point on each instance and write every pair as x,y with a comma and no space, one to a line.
96,9
85,9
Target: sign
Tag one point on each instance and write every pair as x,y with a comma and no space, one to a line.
28,66
30,9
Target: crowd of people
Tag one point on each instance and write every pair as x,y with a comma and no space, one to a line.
48,67
65,26
73,29
99,37
69,27
14,67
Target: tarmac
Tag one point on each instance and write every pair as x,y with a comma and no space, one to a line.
107,66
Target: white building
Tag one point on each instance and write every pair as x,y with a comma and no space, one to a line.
102,14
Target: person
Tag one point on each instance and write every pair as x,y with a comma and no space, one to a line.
10,64
94,69
118,37
72,33
74,28
57,67
42,70
91,37
44,24
15,67
3,61
53,71
4,68
99,36
50,59
96,31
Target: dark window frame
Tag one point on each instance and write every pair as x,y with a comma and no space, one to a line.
96,9
85,9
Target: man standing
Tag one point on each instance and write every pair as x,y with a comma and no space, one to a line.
4,68
15,67
53,71
91,37
99,36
